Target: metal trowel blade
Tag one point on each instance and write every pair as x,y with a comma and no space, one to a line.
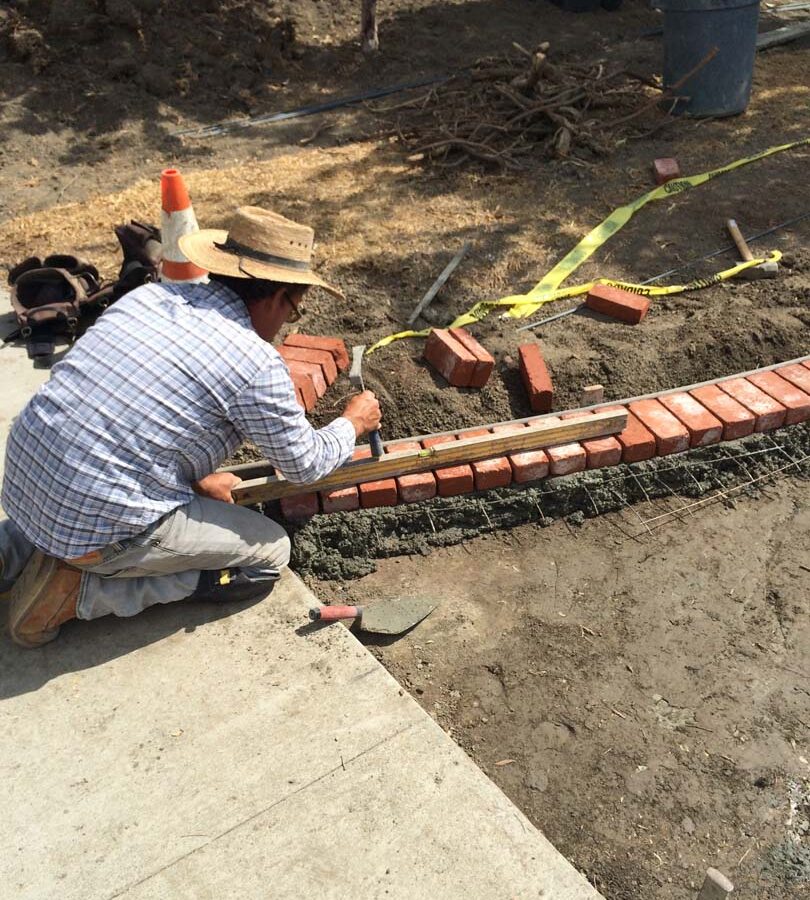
394,616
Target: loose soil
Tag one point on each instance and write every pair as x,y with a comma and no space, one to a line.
668,732
645,701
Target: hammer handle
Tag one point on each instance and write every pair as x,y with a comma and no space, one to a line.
736,236
375,441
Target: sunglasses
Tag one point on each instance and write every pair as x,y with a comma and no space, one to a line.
295,313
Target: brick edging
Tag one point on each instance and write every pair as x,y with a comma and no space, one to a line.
665,422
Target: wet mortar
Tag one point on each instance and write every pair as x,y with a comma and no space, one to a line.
342,546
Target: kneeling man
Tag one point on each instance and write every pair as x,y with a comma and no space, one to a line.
111,488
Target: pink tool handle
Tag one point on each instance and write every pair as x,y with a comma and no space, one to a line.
334,613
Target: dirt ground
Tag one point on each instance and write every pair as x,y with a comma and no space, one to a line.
644,701
668,671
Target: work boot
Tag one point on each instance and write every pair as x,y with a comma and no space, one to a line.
42,599
234,584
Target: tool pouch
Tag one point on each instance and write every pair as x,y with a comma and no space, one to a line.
60,294
48,297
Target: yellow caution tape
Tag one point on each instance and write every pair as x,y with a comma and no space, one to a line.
548,290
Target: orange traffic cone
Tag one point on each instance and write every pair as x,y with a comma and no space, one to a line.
177,219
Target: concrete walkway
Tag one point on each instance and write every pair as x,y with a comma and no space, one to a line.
203,751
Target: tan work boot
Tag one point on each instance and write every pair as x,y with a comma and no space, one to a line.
43,597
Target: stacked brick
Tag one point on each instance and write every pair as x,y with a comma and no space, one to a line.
314,363
671,422
458,357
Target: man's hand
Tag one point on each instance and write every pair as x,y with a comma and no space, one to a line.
363,411
217,486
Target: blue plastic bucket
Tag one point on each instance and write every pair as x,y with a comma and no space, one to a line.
692,28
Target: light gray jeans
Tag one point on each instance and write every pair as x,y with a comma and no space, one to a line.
163,563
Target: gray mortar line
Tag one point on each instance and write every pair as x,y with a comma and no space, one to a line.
699,472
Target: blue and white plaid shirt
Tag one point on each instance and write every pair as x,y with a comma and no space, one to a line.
163,388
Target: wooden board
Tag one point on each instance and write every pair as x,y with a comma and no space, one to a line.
534,437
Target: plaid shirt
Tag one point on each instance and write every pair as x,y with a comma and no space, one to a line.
163,388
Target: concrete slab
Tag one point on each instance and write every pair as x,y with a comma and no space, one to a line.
17,375
203,751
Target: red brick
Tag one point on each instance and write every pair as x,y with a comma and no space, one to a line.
323,358
599,452
737,421
340,500
451,480
637,442
313,371
796,402
768,413
333,345
303,386
449,358
665,169
564,459
484,360
536,378
796,374
489,473
300,507
671,436
527,465
703,427
617,303
418,486
375,493
806,364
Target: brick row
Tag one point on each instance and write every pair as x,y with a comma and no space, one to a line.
729,409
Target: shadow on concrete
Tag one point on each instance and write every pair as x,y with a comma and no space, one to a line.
85,645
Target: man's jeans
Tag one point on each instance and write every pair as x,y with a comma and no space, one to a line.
163,563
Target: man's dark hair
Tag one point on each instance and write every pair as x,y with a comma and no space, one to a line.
252,290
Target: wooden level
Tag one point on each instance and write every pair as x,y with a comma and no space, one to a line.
534,437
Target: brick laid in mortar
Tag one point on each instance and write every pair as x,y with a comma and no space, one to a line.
340,500
703,427
795,401
322,358
796,374
300,507
599,452
527,465
375,493
418,486
451,480
489,473
768,413
671,436
312,371
484,360
637,442
564,458
738,422
333,345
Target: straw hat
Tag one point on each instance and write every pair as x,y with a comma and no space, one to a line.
259,244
